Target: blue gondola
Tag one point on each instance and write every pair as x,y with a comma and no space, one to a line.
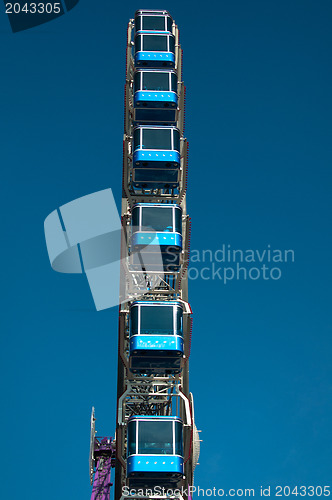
155,96
156,159
154,49
154,450
153,20
156,336
156,241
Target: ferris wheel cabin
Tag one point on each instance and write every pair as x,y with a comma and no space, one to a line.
156,337
154,450
155,96
154,49
156,159
156,236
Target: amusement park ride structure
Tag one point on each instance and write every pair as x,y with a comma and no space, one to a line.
156,442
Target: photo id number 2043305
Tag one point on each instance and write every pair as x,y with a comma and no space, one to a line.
310,491
33,8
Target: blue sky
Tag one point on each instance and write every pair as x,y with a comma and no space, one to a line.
258,119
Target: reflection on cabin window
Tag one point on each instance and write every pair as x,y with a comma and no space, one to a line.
155,80
156,320
155,438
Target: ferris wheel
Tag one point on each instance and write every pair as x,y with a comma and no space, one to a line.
156,445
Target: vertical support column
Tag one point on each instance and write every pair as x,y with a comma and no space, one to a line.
102,480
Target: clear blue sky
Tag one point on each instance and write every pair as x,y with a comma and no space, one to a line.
258,77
